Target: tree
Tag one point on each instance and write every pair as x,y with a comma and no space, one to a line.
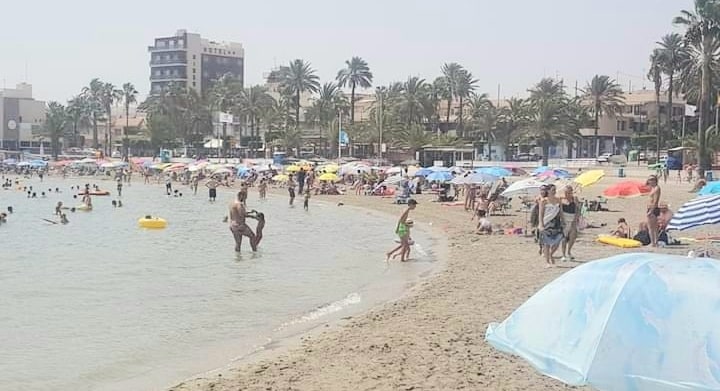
129,96
484,117
576,117
604,97
297,78
224,97
252,104
413,137
325,109
78,111
409,106
93,97
464,87
356,73
702,27
547,115
109,95
672,56
514,119
56,119
450,73
655,76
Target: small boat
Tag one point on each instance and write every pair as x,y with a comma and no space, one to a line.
96,193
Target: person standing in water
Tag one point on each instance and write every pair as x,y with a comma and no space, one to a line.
119,186
291,190
262,188
238,225
306,202
260,217
403,233
168,184
194,184
212,185
653,210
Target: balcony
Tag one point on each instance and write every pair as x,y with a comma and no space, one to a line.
169,48
176,62
173,77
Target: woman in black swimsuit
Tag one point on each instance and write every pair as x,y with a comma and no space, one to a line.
570,212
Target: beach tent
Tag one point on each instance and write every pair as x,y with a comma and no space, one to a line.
637,321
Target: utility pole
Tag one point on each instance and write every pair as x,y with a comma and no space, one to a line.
339,137
381,128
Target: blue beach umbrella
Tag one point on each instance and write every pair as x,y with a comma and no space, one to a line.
423,172
710,188
540,170
242,171
439,176
480,177
495,171
700,211
638,321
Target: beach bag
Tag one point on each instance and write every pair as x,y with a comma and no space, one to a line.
535,215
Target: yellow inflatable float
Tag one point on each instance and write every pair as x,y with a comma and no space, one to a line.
83,207
619,242
152,222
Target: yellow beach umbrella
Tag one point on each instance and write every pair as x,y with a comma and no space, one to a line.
329,177
333,168
293,169
589,177
280,178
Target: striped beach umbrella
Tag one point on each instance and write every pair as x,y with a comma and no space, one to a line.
700,211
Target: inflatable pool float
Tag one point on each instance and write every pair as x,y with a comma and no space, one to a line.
96,193
83,207
152,222
619,242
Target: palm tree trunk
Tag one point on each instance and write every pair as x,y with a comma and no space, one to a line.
126,145
297,109
96,144
596,139
703,121
352,104
489,145
108,128
460,119
657,125
447,119
545,150
671,86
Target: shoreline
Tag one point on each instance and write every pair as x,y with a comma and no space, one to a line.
286,338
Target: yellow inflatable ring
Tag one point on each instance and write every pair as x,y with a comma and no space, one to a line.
153,222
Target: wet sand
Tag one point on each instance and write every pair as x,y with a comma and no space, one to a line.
433,338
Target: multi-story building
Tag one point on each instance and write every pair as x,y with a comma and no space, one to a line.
193,62
21,118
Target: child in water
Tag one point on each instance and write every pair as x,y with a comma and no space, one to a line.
306,203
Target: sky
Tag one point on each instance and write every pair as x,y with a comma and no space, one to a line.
59,46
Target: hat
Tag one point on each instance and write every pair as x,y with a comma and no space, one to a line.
409,222
412,202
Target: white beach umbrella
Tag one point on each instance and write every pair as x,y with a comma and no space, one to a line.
394,170
524,187
393,180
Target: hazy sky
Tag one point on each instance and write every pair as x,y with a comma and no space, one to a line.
511,43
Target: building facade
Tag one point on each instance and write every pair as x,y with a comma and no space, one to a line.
193,62
21,118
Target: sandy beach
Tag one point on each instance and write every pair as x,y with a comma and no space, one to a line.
433,338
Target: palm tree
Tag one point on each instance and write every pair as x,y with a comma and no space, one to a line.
129,96
224,96
252,103
450,72
297,78
108,96
93,94
604,97
56,119
356,73
514,118
576,117
325,108
655,76
413,137
464,87
410,103
673,55
78,111
484,119
702,26
547,115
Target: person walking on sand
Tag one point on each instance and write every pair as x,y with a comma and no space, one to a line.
653,210
401,230
550,224
238,224
571,215
212,186
291,190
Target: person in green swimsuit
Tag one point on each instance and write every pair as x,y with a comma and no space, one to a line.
403,233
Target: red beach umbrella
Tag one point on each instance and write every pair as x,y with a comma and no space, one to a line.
627,189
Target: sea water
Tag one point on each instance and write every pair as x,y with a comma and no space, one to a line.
101,304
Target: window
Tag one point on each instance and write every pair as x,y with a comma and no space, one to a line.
193,84
193,70
193,77
622,125
663,109
193,56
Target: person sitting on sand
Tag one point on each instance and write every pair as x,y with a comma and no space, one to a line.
484,226
622,230
643,234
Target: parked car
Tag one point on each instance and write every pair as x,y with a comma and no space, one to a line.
604,158
527,157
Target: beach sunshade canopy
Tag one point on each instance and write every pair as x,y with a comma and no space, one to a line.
281,178
9,161
627,189
638,321
700,211
540,170
528,186
554,173
495,171
517,171
329,177
394,170
589,177
710,188
439,176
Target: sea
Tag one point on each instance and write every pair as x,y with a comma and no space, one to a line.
102,304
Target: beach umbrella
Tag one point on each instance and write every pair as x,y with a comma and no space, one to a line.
637,321
411,170
588,178
460,180
423,172
457,170
700,211
409,162
540,170
517,171
280,178
333,168
627,189
38,163
393,180
437,169
242,171
222,170
528,186
9,161
87,160
554,173
394,170
23,164
480,177
439,176
328,177
710,188
293,168
495,171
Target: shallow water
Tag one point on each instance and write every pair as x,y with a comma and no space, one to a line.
100,304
